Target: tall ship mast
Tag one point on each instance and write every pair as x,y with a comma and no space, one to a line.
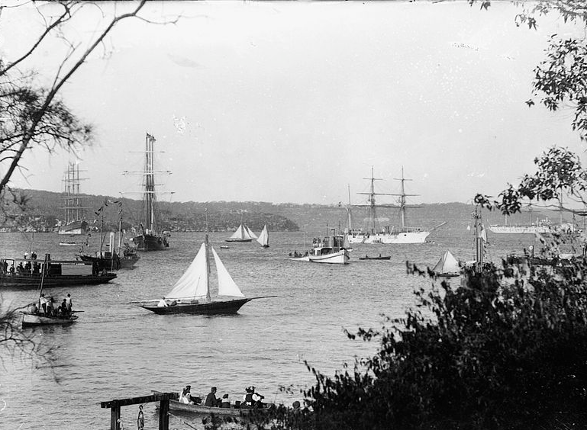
387,234
75,223
150,238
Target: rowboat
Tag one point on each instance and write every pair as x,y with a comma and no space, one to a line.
366,257
235,410
34,320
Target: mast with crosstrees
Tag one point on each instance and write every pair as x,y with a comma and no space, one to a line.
150,238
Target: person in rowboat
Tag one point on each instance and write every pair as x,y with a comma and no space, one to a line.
68,305
186,395
211,399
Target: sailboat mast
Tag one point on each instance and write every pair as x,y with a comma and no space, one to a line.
348,213
478,240
207,267
149,183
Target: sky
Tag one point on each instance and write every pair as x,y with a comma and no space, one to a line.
298,102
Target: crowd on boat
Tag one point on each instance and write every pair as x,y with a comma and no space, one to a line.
251,399
46,307
30,266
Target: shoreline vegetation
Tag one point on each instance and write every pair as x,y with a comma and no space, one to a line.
44,210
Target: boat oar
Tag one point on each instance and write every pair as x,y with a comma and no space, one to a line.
76,312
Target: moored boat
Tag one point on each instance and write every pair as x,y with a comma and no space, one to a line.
26,273
149,238
388,234
74,223
331,249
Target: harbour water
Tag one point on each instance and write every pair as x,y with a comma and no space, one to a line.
118,350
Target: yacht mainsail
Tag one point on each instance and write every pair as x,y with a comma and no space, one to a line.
447,265
195,282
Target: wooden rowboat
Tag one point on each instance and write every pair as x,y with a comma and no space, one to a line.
34,320
366,257
233,411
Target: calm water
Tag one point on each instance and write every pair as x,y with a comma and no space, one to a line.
117,350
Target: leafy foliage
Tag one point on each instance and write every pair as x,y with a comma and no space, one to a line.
559,173
487,354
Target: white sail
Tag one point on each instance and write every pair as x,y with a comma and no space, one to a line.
239,233
447,264
263,238
194,282
249,233
226,285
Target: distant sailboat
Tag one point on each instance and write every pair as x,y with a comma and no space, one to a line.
191,293
263,238
448,266
242,234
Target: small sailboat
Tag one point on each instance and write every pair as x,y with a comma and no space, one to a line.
448,266
263,238
242,234
34,316
191,293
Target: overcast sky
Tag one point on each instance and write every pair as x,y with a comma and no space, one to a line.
297,102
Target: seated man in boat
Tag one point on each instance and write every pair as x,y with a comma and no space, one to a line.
211,399
163,304
225,402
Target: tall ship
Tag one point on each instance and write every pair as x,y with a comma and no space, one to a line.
150,238
74,223
375,233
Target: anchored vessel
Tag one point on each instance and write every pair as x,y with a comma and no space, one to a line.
27,273
74,223
150,239
387,234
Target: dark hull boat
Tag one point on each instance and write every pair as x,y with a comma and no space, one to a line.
191,293
211,308
56,274
150,237
366,257
150,242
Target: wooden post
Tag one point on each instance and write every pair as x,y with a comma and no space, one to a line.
164,414
163,398
115,418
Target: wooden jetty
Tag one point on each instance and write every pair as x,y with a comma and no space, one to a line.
162,398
